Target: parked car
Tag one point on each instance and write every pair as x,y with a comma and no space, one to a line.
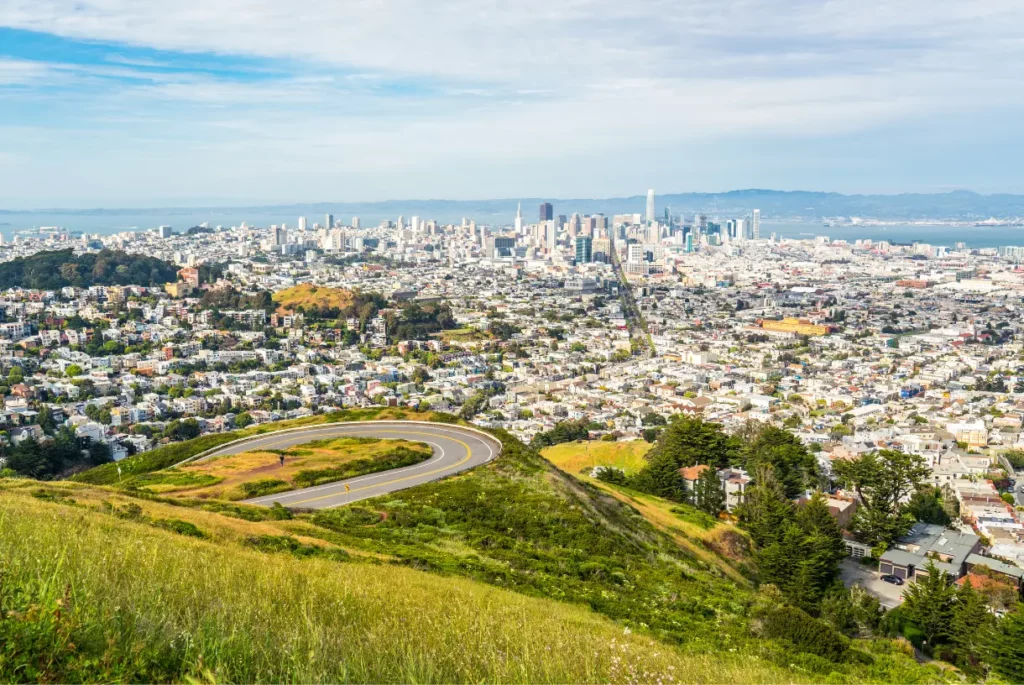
892,579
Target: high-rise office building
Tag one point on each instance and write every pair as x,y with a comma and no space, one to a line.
278,236
584,249
650,218
302,223
329,221
415,225
634,253
519,218
689,242
547,212
755,225
355,222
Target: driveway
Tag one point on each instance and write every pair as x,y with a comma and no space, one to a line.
855,573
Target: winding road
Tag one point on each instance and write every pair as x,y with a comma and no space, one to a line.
455,449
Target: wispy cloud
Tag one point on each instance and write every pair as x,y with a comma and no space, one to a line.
397,87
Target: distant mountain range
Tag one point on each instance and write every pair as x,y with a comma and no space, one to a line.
808,205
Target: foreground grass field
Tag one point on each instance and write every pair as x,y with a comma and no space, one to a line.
86,597
260,472
472,577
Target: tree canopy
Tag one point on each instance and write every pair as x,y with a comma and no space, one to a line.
61,268
883,480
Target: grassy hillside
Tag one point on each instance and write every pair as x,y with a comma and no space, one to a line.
575,457
711,541
92,598
310,296
582,570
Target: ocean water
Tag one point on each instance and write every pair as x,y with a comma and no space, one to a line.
106,222
972,236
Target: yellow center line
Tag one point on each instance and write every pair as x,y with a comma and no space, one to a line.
469,453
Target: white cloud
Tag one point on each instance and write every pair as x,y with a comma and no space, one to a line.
397,87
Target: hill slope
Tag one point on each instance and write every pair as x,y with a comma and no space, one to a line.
88,597
566,549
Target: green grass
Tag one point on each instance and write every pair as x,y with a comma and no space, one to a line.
394,458
470,578
85,597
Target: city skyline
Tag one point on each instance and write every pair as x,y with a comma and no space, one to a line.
225,103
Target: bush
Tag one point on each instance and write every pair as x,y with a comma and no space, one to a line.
288,544
180,527
610,474
265,486
805,633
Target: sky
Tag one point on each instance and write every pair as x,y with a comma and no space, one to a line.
121,103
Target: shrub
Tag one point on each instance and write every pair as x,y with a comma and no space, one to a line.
286,543
265,486
610,474
180,527
805,633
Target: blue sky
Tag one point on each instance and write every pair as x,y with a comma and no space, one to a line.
122,103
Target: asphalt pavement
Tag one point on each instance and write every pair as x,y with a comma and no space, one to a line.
455,449
855,573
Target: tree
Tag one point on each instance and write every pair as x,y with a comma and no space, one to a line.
661,477
928,604
882,481
15,375
765,509
653,419
243,420
801,554
926,505
690,441
99,453
73,370
1004,647
27,459
969,625
708,495
794,466
46,421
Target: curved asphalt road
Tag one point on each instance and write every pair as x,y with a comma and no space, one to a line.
455,449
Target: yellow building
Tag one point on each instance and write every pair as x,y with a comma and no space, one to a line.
794,325
179,289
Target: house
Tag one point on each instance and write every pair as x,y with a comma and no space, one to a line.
929,543
1007,573
734,483
690,474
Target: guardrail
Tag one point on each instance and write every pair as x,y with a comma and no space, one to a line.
335,424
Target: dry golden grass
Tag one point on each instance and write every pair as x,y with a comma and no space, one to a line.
308,295
217,528
573,457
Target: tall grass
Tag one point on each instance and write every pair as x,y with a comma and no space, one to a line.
87,597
